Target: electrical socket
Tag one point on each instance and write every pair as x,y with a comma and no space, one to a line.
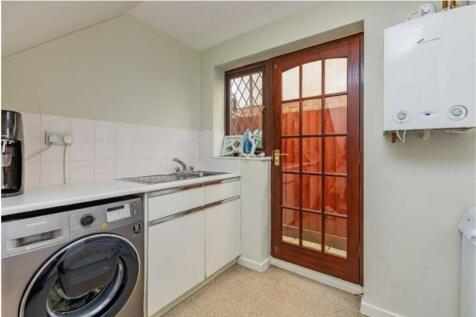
58,138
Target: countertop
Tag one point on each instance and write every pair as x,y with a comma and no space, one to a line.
37,198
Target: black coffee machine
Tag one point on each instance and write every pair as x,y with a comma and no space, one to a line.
12,153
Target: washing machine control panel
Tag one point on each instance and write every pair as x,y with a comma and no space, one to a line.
118,213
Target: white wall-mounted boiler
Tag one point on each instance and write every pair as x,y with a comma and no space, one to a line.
430,72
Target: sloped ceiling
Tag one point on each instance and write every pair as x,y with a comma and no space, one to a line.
207,23
200,25
28,23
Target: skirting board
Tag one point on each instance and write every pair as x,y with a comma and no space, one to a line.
254,265
319,277
374,311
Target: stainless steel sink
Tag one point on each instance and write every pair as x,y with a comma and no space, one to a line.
163,178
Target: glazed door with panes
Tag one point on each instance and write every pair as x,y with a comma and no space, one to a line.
316,173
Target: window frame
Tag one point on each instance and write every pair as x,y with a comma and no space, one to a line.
266,68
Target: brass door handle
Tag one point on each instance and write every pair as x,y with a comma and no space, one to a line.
277,156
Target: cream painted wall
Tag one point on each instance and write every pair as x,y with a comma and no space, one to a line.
121,70
413,193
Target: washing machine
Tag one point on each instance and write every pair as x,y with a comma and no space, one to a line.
82,260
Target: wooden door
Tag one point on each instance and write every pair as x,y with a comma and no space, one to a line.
316,185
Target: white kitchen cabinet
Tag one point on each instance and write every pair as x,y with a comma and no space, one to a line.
176,259
222,235
169,202
222,190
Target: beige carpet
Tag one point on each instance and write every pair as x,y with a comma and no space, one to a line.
275,293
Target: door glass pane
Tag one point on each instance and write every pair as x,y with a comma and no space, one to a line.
311,154
335,120
336,155
290,157
336,236
291,190
311,79
311,231
290,84
290,118
290,227
336,75
311,116
312,192
336,194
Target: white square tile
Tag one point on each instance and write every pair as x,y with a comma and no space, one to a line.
31,125
51,173
54,124
104,170
81,171
82,150
82,129
126,132
142,151
104,150
142,133
157,135
53,154
32,148
104,130
124,168
32,174
124,150
157,150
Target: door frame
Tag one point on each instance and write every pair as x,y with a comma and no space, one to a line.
275,139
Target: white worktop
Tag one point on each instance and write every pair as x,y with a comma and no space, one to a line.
37,198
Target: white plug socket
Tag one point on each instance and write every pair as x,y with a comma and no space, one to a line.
58,138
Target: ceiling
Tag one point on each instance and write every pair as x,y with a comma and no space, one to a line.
204,24
200,25
28,23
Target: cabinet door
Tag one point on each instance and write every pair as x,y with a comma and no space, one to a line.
176,261
222,227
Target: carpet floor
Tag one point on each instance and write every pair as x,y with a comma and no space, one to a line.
240,292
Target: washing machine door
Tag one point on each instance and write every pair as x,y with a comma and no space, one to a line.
91,277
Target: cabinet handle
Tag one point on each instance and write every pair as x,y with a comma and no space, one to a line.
190,211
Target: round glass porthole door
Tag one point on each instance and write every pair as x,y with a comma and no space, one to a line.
92,277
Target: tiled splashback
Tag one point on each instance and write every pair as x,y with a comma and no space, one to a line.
104,150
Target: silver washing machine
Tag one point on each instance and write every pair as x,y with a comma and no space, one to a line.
83,260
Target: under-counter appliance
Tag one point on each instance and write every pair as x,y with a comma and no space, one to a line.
12,153
83,260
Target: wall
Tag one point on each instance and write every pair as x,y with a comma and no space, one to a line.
121,70
413,193
102,150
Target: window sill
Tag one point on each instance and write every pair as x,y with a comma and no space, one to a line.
245,158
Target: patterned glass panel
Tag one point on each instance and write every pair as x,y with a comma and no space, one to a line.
311,79
311,231
312,192
246,103
290,228
291,190
312,116
335,236
290,157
